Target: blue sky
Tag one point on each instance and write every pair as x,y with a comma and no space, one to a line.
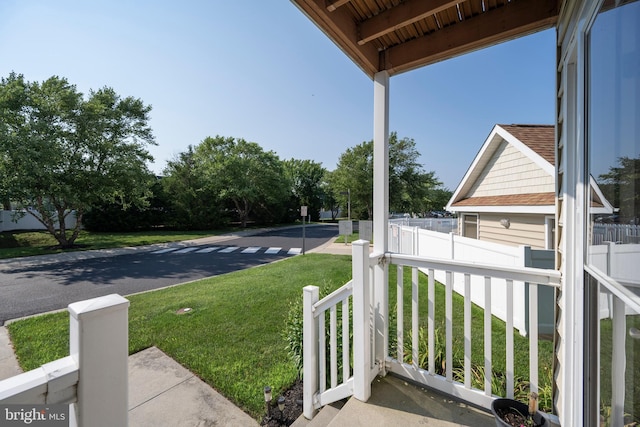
260,70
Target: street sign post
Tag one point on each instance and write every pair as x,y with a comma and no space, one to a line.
303,214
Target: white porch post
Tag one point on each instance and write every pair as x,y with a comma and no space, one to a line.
99,342
361,321
381,212
310,350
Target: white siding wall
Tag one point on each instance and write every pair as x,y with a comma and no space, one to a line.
511,172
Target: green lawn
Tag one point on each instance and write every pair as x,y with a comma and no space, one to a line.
27,243
232,338
350,238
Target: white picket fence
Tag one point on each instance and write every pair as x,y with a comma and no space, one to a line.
28,222
619,262
440,246
364,335
441,225
617,233
93,380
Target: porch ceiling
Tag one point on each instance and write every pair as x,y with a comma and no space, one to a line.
400,35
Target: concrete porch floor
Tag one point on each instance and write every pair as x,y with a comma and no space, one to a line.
396,402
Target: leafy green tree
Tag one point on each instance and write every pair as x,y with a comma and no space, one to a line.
241,172
434,200
60,153
329,200
113,217
306,177
409,184
354,174
621,187
194,204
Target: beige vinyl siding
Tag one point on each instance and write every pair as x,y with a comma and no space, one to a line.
511,172
524,229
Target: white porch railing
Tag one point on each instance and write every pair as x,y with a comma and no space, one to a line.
482,397
431,245
371,317
93,379
353,300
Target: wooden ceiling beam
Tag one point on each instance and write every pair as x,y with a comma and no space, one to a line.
514,19
340,27
334,4
404,14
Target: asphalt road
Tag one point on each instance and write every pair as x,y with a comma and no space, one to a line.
27,289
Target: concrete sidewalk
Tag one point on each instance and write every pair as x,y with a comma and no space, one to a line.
161,392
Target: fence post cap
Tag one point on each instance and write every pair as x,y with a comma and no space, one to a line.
101,304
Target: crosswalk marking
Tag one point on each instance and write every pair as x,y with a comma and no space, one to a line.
229,250
186,250
164,251
208,250
226,250
251,250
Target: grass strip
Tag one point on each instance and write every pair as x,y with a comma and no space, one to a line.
232,337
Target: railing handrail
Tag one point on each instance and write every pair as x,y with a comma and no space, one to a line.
52,383
345,291
525,274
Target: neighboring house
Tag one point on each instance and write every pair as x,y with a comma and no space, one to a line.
508,193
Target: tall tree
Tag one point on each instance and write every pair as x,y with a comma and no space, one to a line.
306,178
194,204
329,200
252,179
61,154
409,184
354,175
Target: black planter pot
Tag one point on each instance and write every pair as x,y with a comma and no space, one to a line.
500,406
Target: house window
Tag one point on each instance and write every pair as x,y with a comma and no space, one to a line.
612,262
470,226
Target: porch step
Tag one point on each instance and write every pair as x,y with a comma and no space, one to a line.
323,418
395,402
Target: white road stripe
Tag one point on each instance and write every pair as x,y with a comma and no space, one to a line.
272,251
185,250
228,250
207,250
164,251
295,251
251,250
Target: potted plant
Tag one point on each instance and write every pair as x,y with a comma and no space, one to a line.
512,413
